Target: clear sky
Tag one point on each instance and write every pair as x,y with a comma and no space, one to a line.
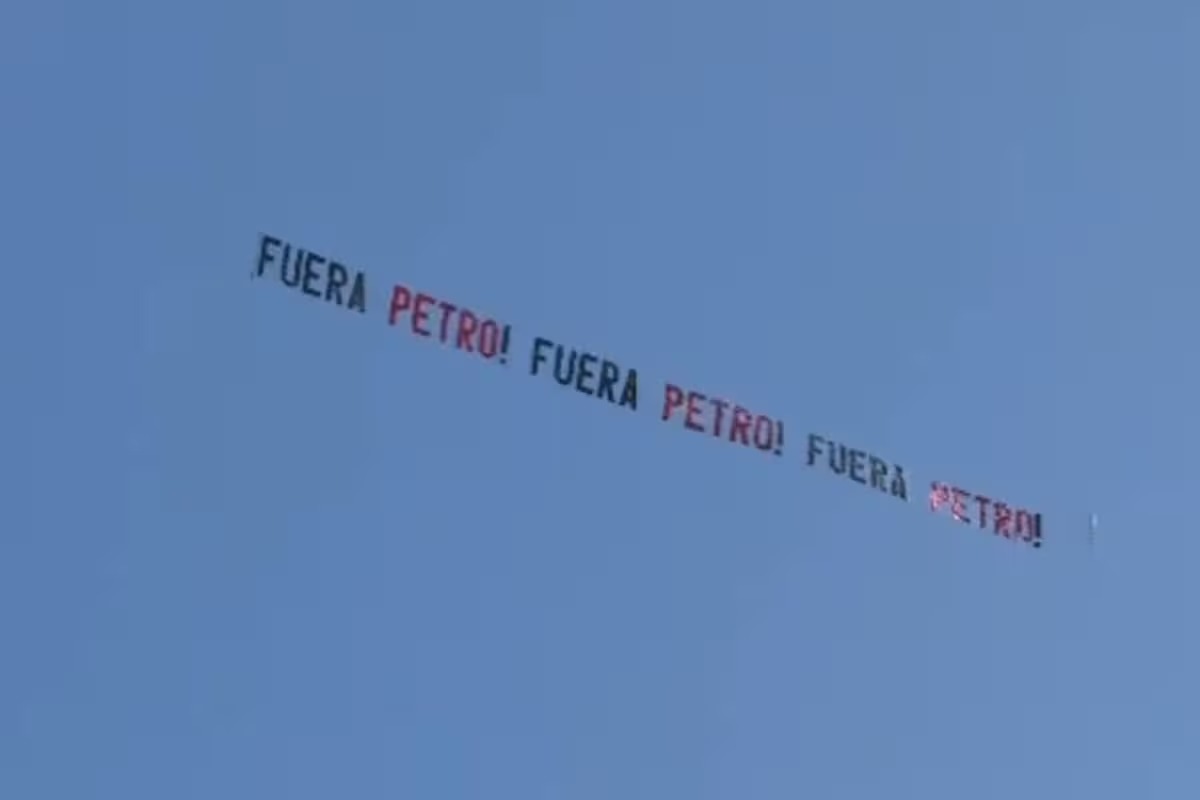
257,546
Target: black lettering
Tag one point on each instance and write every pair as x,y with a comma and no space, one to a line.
838,464
564,377
899,487
266,245
857,465
294,262
337,279
311,274
629,393
878,473
609,373
358,295
814,448
538,356
582,377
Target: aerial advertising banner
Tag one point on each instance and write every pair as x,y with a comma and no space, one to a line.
426,316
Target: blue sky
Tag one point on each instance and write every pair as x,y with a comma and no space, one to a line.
257,546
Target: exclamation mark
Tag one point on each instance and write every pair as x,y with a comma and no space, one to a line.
1037,530
778,437
504,344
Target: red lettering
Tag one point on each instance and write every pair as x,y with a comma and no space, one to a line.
764,424
939,495
741,425
447,310
1003,522
958,507
1028,525
401,301
421,314
720,406
767,434
672,400
984,502
466,327
694,399
1025,525
489,339
469,331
